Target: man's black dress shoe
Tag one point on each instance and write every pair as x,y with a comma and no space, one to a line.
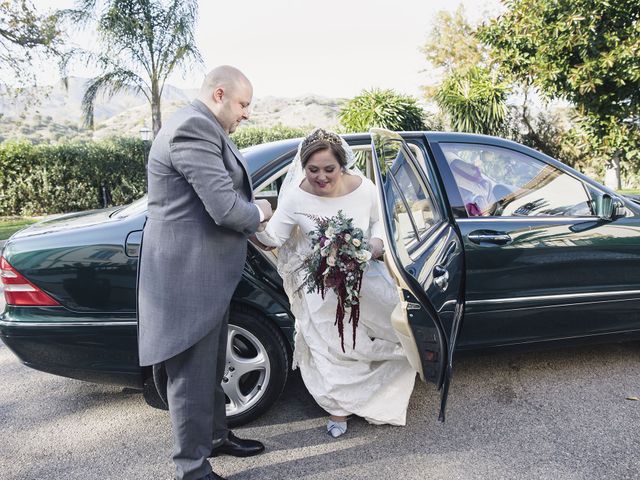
237,447
212,476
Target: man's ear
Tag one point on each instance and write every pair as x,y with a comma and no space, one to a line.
218,94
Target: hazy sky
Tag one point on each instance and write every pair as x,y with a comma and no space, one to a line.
328,47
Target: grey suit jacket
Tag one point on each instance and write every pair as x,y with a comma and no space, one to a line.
195,239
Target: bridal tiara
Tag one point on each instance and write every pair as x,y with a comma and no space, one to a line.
321,135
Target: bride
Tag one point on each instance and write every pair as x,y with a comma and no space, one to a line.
373,380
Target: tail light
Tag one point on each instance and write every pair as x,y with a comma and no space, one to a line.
20,291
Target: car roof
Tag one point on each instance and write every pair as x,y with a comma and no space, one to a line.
258,156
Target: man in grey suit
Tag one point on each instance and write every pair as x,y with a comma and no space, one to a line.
201,212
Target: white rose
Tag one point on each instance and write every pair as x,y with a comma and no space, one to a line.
329,233
356,242
331,261
347,237
363,256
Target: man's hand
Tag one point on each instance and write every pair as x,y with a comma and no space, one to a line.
377,248
265,206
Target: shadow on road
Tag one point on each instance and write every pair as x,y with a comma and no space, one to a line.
547,414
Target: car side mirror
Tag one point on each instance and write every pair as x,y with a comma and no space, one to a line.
619,210
610,208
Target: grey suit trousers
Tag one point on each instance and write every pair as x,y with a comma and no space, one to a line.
197,402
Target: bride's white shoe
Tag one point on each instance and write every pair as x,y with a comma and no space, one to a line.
335,429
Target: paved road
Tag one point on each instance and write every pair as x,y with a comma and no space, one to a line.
556,415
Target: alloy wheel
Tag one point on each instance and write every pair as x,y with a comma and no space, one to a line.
247,371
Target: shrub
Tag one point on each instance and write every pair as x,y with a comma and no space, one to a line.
57,178
249,136
44,179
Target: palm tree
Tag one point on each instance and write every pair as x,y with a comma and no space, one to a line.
144,42
383,109
474,100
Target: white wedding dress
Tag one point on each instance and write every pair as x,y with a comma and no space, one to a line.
374,380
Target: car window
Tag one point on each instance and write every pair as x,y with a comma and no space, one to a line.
495,181
414,211
363,159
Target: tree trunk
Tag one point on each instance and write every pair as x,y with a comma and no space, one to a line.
533,134
156,117
612,172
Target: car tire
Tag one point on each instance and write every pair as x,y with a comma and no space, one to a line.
256,341
151,393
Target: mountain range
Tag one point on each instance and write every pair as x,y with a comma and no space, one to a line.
54,113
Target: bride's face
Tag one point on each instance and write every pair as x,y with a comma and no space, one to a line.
323,173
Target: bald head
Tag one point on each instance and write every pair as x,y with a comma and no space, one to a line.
228,93
224,76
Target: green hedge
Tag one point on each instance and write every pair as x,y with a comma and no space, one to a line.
44,179
248,136
40,179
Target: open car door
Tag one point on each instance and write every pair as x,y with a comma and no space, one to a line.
425,255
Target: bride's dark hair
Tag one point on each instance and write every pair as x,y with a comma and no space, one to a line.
320,140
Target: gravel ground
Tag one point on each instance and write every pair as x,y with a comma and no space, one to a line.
557,414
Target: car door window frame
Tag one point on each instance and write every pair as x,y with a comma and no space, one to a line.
426,161
422,241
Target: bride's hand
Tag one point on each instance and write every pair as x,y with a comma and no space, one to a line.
377,248
253,239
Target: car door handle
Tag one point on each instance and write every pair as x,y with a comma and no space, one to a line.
132,243
441,277
489,236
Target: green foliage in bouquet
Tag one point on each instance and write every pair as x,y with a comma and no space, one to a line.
337,261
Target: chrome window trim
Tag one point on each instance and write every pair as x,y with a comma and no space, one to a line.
12,323
567,296
539,218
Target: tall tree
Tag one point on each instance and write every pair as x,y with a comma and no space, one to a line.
452,45
25,33
144,42
585,51
472,95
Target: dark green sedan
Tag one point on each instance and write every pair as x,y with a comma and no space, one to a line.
492,244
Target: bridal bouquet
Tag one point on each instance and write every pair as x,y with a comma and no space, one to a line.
337,261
